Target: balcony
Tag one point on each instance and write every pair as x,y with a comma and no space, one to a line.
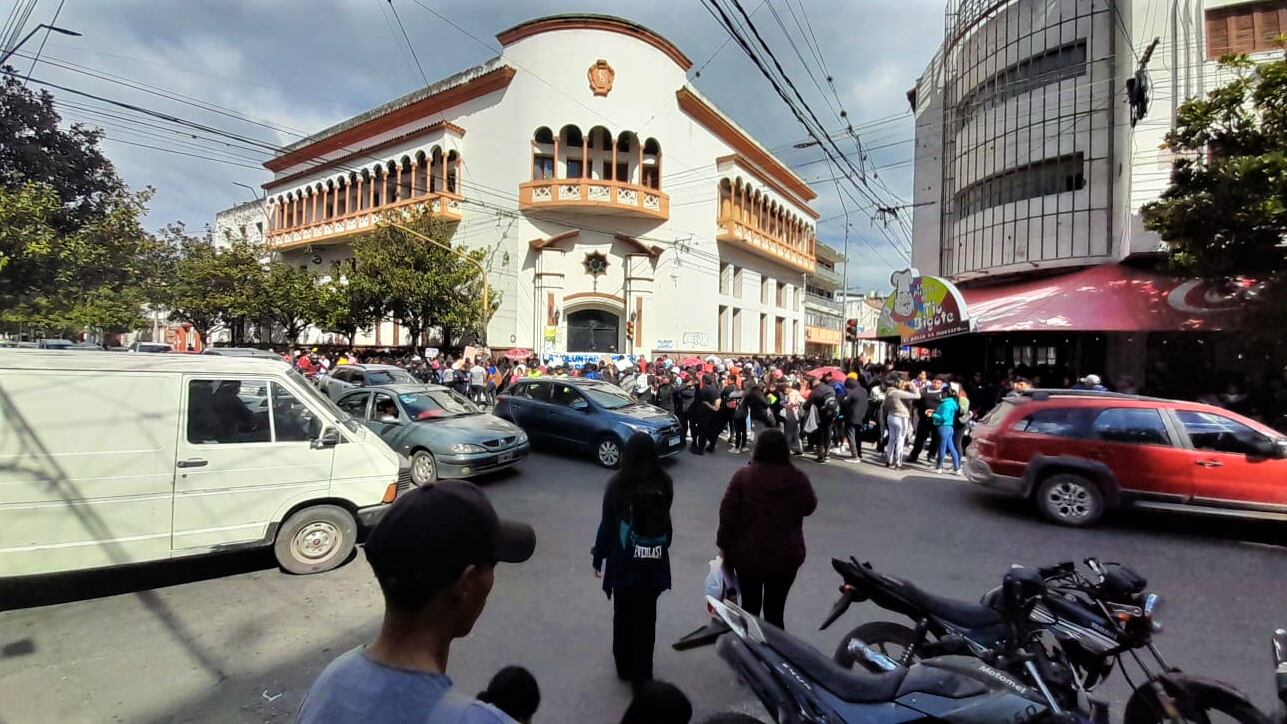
443,205
827,278
822,335
594,196
798,255
829,305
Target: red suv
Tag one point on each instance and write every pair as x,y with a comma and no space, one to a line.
1078,453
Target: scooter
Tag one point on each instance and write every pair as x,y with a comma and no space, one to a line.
797,684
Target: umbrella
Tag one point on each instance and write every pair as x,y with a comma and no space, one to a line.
691,362
518,354
823,371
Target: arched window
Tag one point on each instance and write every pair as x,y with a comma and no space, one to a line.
542,154
571,152
435,171
725,200
598,154
652,164
629,157
453,162
404,180
420,176
329,200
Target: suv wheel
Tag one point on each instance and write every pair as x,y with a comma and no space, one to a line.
1070,499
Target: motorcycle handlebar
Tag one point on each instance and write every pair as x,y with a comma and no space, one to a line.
846,600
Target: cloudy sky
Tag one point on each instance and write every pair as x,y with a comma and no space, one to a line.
276,70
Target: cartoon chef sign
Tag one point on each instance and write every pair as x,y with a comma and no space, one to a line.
922,308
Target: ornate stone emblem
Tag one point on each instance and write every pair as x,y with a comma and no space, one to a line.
601,75
595,263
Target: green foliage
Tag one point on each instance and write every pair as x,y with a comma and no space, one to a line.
68,161
417,283
290,297
210,288
1225,212
343,310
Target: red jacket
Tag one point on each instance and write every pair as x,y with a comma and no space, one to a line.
761,519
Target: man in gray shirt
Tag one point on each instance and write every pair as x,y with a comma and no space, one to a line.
434,555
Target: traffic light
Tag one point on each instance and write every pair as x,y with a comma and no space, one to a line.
630,331
851,330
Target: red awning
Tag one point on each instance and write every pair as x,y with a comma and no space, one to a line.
1105,298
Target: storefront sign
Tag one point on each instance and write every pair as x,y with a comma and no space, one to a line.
923,308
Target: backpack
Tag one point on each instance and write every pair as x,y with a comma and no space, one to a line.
645,525
831,405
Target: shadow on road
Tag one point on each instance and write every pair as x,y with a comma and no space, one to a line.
47,590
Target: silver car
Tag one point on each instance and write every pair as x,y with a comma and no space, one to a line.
347,377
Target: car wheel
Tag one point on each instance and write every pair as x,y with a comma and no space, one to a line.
608,452
424,469
1070,499
315,539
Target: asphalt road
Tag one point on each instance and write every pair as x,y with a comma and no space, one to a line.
232,638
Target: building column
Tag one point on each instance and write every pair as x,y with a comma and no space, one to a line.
556,159
414,164
397,185
639,293
585,156
548,302
443,187
370,200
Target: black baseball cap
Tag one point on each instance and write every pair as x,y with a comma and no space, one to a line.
431,534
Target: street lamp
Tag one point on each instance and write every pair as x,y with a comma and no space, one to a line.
35,30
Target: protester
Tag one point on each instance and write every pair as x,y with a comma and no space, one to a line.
931,396
634,541
898,410
514,691
434,555
963,416
706,421
820,411
944,421
853,408
761,526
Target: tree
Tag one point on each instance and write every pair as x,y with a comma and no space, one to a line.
1224,214
418,284
68,161
210,288
289,297
343,310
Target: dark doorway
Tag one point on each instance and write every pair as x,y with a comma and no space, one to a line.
593,330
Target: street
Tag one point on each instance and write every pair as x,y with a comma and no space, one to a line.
233,638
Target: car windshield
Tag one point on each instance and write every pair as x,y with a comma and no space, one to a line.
609,398
436,405
390,377
325,402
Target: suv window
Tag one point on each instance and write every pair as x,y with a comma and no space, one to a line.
1137,425
1218,433
1055,421
539,391
567,397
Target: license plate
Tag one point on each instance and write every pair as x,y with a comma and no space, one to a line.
674,441
505,457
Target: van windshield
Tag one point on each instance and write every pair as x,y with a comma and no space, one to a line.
311,392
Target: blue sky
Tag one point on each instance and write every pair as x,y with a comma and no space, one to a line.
296,67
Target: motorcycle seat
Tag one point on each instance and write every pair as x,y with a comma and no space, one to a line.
962,613
851,686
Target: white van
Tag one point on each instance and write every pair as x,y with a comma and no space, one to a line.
110,459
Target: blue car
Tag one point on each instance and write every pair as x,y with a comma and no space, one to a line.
586,415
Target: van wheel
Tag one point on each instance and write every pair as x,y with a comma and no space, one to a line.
424,469
1070,499
315,539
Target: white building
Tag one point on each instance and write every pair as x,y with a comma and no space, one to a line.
248,221
824,318
604,187
1032,159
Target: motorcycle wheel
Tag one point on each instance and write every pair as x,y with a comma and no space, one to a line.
889,638
1199,702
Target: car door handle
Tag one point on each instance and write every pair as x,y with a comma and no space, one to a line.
1210,463
192,463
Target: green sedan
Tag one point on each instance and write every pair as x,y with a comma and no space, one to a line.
443,434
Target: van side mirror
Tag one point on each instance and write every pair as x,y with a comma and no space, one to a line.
330,437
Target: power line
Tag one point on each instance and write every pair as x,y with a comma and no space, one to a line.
410,46
48,29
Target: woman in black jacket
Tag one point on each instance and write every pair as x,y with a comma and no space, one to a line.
634,540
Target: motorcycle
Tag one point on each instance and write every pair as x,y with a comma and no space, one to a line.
1280,676
1097,622
797,684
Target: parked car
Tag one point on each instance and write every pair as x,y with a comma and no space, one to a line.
86,347
151,347
444,434
586,415
55,343
1077,453
346,377
243,352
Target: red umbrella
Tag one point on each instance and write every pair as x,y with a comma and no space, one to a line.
692,362
823,371
518,354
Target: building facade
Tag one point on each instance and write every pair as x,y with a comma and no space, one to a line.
1040,130
248,221
824,318
609,195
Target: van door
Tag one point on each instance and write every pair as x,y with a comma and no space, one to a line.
245,449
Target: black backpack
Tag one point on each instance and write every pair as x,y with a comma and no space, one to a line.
645,525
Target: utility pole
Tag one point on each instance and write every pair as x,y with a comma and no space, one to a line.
9,53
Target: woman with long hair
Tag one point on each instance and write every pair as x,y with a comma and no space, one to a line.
634,541
761,525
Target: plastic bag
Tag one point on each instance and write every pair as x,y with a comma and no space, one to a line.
721,584
811,423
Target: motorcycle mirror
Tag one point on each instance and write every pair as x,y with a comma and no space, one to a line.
703,636
841,606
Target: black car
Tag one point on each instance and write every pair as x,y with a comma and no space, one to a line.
586,415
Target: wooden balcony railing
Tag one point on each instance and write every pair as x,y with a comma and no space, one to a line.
594,196
797,256
443,205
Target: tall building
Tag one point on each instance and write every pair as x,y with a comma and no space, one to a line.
824,318
610,196
1039,137
248,221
